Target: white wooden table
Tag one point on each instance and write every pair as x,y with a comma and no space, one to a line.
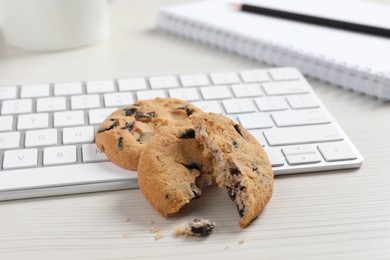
342,214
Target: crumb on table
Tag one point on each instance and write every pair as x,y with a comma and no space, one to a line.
195,227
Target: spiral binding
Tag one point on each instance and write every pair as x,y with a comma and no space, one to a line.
351,77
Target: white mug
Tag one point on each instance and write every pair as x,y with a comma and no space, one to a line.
46,25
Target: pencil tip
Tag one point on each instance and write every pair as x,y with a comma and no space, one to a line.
235,5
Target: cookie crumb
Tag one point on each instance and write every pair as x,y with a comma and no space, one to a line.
158,236
151,221
195,227
125,235
154,230
242,241
226,247
125,219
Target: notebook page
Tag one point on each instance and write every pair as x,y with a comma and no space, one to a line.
355,49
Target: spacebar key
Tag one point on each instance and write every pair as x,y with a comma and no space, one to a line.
302,135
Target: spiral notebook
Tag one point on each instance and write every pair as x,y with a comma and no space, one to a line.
351,60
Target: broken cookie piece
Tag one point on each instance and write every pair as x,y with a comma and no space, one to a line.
195,227
172,170
240,164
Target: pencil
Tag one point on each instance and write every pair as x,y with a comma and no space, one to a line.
355,27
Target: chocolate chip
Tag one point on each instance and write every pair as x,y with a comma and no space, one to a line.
232,193
120,143
188,110
144,117
238,129
130,111
194,165
189,133
201,229
114,124
151,114
196,190
128,126
241,211
235,144
235,171
166,196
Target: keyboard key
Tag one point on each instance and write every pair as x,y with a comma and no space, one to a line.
9,140
187,94
150,94
36,90
255,120
334,152
301,154
275,156
194,80
132,84
215,92
100,86
285,74
8,92
300,117
97,116
225,78
234,106
258,134
247,90
33,121
286,87
209,106
302,101
271,103
59,155
68,88
163,82
302,135
92,154
68,118
299,149
299,159
85,101
43,137
252,76
51,104
118,99
6,123
20,158
74,135
16,106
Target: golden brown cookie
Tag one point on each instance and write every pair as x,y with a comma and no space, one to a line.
172,169
240,164
124,134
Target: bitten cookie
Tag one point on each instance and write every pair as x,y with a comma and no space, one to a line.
240,164
124,134
172,169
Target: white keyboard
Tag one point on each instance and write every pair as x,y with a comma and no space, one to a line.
47,130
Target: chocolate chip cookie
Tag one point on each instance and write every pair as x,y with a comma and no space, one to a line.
124,134
240,164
